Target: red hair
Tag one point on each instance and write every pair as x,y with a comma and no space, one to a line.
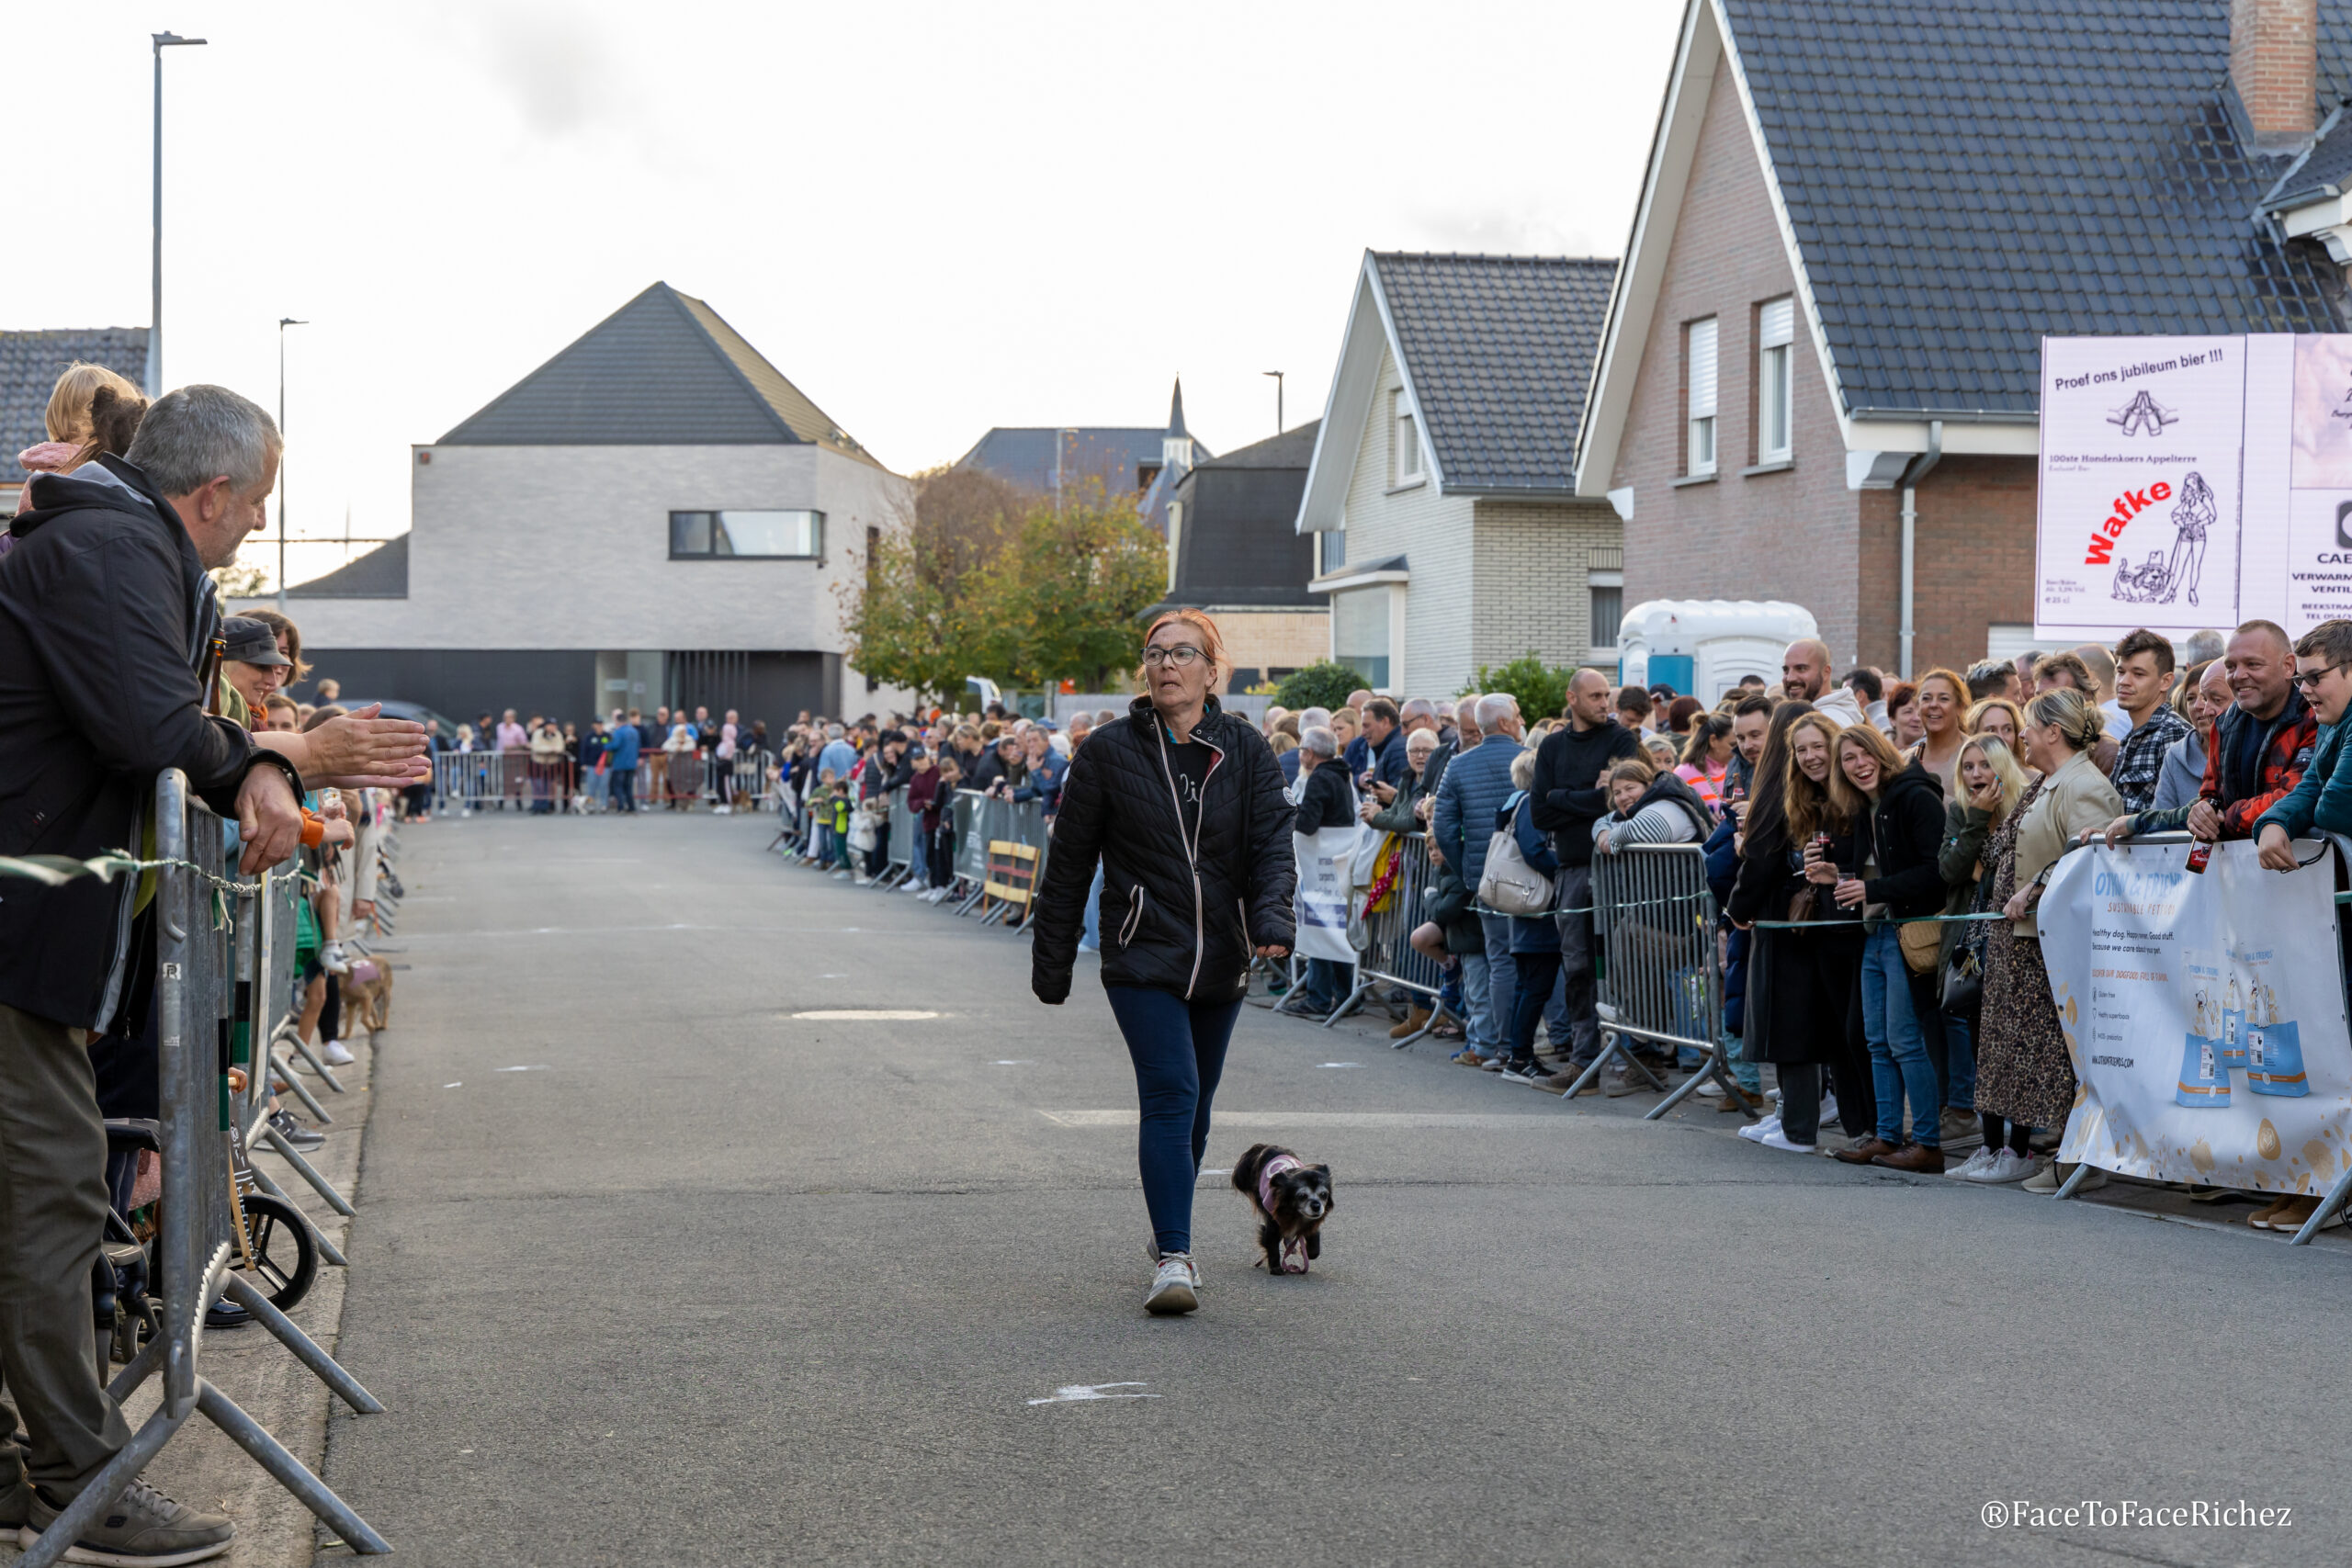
1210,643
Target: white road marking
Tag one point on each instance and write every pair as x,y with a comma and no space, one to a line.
453,1086
864,1015
1339,1064
1077,1393
538,1069
1011,1062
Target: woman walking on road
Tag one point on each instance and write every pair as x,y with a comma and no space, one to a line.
1182,804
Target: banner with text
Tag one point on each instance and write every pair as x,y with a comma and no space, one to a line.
2204,1014
2194,481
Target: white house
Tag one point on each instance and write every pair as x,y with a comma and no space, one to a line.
654,515
1443,483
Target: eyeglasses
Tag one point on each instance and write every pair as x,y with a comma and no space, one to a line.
1183,656
2310,680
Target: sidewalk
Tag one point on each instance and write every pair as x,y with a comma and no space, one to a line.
201,1466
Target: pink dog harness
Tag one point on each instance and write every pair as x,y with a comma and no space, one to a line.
1293,1251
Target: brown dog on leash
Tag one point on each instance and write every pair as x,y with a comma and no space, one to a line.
366,995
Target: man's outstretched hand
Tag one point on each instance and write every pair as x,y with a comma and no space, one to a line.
357,750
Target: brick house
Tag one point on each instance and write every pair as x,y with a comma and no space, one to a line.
1233,550
1442,490
1819,376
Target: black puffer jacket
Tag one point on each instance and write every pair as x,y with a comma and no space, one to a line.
1168,921
1907,827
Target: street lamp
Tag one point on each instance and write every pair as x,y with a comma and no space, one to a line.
283,322
1278,398
156,316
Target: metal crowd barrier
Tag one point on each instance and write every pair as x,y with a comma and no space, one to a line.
1389,956
900,847
1654,968
219,943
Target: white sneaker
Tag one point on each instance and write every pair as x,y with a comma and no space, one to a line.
721,810
2006,1166
336,1053
1756,1131
1828,1108
1711,1089
1175,1287
1775,1140
1973,1170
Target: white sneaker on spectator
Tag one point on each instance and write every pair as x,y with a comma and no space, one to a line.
1776,1139
1828,1108
1756,1131
1973,1170
1175,1286
336,1053
1711,1089
2006,1166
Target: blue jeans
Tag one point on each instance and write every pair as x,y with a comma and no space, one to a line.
1326,985
1179,1051
1960,1062
625,789
1899,1065
1491,1026
1093,940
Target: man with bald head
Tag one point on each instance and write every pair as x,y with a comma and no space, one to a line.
1804,674
1568,798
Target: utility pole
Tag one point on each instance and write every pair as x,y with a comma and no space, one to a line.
1278,398
154,387
283,322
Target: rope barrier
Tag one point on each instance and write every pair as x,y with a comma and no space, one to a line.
55,870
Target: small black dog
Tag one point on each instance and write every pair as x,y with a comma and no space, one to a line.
1293,1199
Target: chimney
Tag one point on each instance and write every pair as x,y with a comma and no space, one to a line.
2274,61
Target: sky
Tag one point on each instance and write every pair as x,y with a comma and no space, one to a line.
933,219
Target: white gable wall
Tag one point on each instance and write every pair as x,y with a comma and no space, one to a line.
1432,532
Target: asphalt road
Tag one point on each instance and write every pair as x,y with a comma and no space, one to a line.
710,1283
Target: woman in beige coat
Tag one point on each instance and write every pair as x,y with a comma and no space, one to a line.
2024,1077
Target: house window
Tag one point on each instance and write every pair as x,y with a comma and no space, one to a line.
1406,451
708,536
1775,383
1608,609
1335,550
1699,353
1359,633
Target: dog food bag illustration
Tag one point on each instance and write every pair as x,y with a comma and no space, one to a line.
2273,1051
2204,1082
2234,1027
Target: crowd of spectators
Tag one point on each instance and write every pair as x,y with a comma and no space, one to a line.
117,664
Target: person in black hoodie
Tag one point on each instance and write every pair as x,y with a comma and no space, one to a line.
1801,1012
1568,799
1899,817
1183,806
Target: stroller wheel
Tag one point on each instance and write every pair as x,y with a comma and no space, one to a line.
284,1253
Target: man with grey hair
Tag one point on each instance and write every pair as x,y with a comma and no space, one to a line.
839,756
1291,761
106,621
1476,785
1325,800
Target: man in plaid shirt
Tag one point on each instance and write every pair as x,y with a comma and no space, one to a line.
2144,672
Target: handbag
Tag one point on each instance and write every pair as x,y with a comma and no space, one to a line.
1961,990
1509,885
1923,943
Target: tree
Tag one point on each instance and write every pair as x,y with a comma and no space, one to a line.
1542,689
1324,685
909,613
988,579
240,580
1065,600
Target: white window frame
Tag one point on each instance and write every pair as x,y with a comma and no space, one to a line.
1403,442
1702,449
1776,380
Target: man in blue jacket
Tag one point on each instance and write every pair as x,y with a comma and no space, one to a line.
621,751
1476,785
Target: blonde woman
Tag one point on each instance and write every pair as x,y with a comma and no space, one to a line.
1943,699
2024,1077
1991,782
1999,718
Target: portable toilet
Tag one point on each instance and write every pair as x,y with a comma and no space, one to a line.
1702,646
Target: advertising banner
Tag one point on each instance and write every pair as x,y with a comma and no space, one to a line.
2194,481
2204,1014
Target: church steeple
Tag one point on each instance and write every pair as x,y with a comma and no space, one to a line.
1176,446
